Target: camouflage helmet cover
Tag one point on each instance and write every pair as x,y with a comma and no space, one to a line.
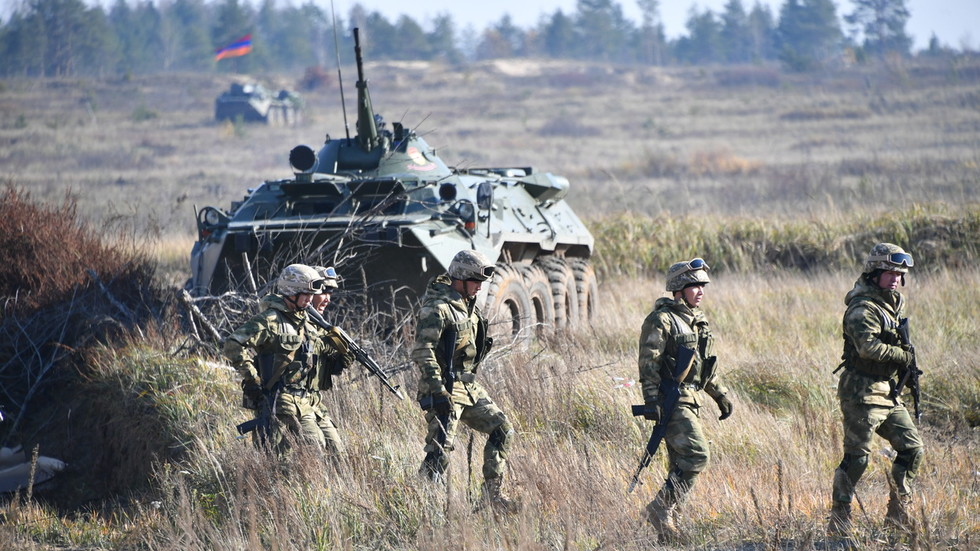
689,272
299,278
329,274
888,257
470,265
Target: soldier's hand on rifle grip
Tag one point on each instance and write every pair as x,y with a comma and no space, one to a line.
651,411
725,406
442,403
251,394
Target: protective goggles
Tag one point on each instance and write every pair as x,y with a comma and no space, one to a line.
316,286
898,259
696,264
486,272
329,272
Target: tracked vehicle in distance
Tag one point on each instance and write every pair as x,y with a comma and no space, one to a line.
389,214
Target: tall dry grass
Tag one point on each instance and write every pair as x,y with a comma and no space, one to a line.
767,485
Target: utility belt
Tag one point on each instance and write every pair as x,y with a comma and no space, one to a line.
878,377
689,386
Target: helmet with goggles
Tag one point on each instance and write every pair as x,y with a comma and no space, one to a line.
690,272
329,275
298,279
470,265
889,258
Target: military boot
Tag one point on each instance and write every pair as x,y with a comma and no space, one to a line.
497,499
840,520
898,512
661,515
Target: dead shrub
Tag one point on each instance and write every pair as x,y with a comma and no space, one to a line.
314,78
63,290
721,162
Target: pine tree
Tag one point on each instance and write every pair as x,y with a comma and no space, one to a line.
736,38
882,23
809,34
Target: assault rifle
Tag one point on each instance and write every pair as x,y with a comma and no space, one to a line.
269,397
359,354
911,376
671,391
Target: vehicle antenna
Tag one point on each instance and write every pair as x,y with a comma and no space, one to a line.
340,79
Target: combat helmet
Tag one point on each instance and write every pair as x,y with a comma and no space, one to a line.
470,265
330,278
889,258
689,272
299,278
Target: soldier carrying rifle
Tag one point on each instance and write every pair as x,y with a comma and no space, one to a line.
450,342
877,356
285,362
676,360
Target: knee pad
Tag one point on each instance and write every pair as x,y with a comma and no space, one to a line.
502,436
853,465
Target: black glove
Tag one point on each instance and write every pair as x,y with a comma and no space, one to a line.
725,406
651,411
442,403
251,394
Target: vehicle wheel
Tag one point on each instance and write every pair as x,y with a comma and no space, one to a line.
564,295
509,306
539,291
587,287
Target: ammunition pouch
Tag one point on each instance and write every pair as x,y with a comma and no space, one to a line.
483,342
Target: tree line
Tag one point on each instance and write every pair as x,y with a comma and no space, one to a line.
69,37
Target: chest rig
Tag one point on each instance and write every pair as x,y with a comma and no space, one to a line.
698,339
291,359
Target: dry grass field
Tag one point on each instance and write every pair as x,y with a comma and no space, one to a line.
696,152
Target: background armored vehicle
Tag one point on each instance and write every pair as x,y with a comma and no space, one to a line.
389,214
254,103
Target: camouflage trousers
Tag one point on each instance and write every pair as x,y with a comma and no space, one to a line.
687,454
893,423
473,407
305,418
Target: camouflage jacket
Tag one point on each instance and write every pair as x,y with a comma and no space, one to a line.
673,323
442,308
873,354
282,337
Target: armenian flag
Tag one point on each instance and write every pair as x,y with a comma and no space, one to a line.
237,48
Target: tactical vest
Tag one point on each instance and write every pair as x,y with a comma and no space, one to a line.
291,359
703,344
880,371
467,332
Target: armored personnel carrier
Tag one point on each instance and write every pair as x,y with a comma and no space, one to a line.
389,214
252,102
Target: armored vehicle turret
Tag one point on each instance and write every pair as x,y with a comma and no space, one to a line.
389,214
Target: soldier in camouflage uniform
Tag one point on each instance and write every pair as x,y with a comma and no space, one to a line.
331,364
678,321
873,359
452,330
280,347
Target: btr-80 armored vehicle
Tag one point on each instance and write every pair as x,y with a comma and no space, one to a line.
253,103
389,214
